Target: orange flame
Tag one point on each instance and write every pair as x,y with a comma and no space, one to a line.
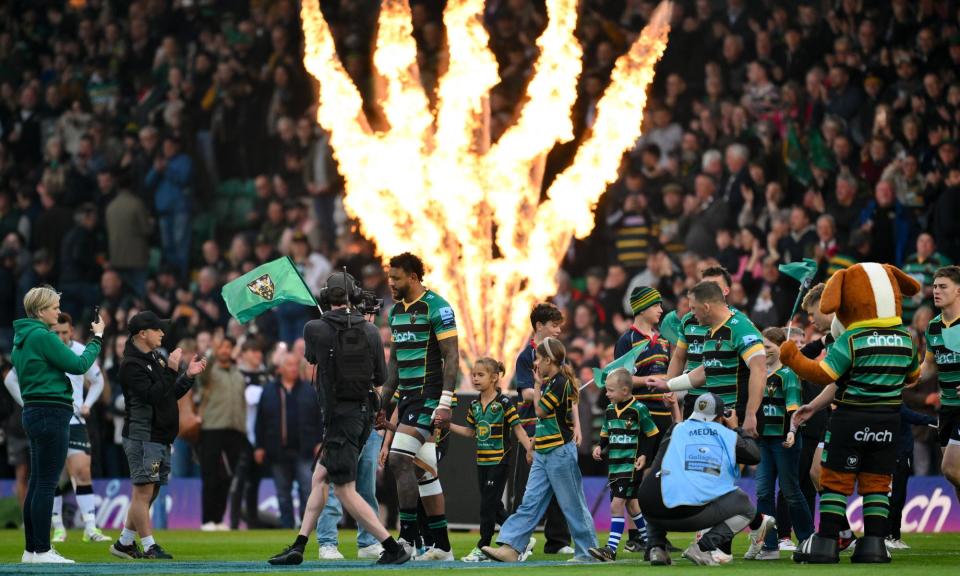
432,184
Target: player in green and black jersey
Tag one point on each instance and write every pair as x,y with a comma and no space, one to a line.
626,424
424,364
943,363
688,353
922,265
490,419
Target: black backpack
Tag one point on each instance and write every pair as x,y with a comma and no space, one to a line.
352,361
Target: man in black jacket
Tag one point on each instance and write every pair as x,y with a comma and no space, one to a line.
151,388
348,353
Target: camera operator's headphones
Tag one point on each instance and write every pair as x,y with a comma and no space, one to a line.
345,282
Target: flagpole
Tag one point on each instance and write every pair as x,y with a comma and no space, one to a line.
585,384
796,305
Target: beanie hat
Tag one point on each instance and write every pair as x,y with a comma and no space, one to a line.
643,297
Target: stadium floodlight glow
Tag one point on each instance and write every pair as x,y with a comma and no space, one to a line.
433,184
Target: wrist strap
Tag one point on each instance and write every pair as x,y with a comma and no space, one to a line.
446,399
678,383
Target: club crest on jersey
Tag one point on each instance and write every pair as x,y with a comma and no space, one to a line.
263,287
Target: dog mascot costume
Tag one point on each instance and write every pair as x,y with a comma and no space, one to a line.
870,362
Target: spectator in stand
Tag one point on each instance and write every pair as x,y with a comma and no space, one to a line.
81,255
703,215
171,180
922,265
129,227
890,224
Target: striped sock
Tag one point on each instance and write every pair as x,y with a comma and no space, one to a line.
438,528
616,531
640,524
833,513
409,530
876,513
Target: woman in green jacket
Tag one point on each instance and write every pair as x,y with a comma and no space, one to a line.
41,360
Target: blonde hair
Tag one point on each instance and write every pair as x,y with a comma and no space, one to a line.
39,298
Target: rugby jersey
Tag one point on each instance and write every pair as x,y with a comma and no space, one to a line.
620,436
692,336
491,425
416,330
781,397
876,361
726,351
555,428
523,377
653,360
948,361
922,272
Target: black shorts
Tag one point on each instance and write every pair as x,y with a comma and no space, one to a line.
862,441
345,438
149,461
626,488
79,440
948,424
414,409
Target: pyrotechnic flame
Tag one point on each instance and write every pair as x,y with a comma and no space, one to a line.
430,183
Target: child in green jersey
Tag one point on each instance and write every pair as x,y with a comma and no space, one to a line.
780,451
626,423
489,420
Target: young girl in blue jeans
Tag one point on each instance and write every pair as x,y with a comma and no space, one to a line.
554,470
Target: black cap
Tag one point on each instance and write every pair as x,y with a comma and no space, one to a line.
147,321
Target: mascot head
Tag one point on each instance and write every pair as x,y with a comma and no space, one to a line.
867,294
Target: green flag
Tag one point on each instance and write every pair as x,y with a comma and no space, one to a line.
800,271
264,287
670,327
951,338
793,157
626,361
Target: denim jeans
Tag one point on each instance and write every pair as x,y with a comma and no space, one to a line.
286,468
553,473
175,231
48,429
783,464
366,487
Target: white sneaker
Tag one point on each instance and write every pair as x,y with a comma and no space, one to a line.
408,547
330,552
768,555
528,552
221,527
371,552
27,557
208,527
787,545
475,555
434,554
757,536
51,556
566,550
896,544
721,557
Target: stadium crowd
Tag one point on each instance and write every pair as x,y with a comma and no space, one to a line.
152,151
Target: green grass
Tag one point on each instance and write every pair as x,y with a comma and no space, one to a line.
245,552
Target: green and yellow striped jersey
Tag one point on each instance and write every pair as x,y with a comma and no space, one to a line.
782,395
948,361
555,428
491,425
727,350
876,361
416,331
620,435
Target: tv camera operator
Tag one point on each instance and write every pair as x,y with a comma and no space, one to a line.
348,354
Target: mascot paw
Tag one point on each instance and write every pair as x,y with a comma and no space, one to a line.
788,352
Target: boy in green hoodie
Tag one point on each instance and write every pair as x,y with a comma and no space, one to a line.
41,360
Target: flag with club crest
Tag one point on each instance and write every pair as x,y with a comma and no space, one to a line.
265,287
626,361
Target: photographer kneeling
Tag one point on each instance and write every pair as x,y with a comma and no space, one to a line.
348,355
692,485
